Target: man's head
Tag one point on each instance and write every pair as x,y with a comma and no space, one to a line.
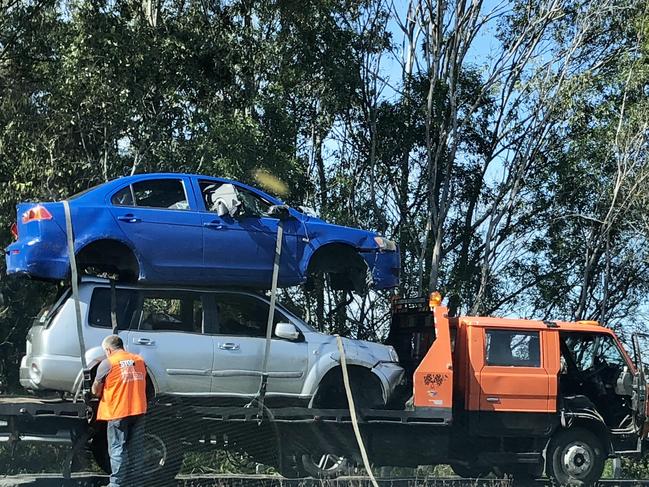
112,344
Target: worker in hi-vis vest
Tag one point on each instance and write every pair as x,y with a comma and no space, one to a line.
121,384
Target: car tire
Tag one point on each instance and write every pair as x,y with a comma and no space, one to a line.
162,456
327,466
576,457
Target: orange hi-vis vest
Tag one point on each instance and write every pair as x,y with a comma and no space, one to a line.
124,392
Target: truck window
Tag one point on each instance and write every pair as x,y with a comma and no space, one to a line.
512,348
125,306
590,350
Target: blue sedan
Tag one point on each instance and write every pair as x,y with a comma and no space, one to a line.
191,229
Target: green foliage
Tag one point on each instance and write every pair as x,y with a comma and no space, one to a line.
32,458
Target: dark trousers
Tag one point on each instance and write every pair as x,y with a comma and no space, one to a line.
125,446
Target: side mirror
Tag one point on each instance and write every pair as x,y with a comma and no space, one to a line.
287,331
279,211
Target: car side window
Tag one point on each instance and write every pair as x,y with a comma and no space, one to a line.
126,303
153,193
512,348
252,205
243,315
172,311
124,197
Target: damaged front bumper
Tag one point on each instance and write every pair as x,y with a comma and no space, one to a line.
384,266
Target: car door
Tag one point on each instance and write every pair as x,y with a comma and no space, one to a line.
239,346
168,332
240,249
160,219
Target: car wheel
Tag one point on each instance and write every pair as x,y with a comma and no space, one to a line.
575,458
159,462
367,391
108,258
324,466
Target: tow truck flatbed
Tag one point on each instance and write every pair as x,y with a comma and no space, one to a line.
34,407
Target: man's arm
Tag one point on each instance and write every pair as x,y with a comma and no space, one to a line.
102,371
97,388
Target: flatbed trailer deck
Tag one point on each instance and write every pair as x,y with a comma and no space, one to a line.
280,431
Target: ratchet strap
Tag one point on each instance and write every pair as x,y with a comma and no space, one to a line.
352,411
271,314
74,277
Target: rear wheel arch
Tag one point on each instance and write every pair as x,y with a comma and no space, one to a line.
109,255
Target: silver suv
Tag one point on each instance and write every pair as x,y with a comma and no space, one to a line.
199,342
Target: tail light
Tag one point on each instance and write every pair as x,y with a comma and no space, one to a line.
14,231
36,213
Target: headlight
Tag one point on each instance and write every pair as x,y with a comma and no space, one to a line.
394,356
385,244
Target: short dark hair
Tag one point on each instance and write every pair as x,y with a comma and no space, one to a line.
113,342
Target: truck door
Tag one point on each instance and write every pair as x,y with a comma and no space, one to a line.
513,379
640,342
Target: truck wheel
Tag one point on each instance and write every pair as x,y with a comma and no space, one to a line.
470,470
575,458
325,466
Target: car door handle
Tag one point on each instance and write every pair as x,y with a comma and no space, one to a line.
144,341
213,225
128,218
493,399
229,346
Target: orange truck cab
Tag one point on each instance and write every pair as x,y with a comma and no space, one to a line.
525,396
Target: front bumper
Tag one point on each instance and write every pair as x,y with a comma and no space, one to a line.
385,267
391,375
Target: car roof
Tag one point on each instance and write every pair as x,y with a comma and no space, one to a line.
101,281
153,175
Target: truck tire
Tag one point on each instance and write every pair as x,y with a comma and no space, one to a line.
575,458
